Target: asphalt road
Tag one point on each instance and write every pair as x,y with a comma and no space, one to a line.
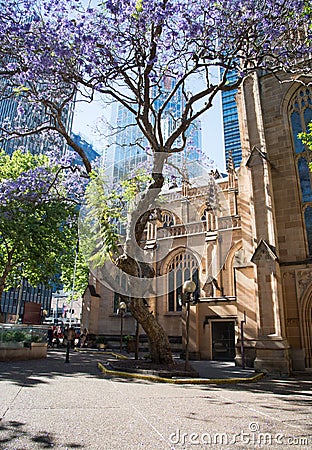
51,404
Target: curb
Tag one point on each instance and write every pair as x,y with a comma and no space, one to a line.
99,352
195,381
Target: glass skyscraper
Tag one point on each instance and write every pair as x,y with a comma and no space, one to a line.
16,112
130,148
127,152
88,148
232,142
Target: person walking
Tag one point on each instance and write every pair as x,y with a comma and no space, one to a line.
50,337
83,338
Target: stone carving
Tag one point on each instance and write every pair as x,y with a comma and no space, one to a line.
292,322
288,275
304,279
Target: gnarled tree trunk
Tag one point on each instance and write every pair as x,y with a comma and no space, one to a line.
159,345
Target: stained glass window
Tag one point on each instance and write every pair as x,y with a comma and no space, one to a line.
308,223
167,219
308,115
296,129
305,180
301,115
182,267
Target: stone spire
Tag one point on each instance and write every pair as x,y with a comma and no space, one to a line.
230,168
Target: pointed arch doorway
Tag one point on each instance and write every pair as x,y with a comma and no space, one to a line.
306,326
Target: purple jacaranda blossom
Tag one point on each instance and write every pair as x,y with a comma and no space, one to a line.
63,32
56,180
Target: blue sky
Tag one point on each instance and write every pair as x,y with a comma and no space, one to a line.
212,134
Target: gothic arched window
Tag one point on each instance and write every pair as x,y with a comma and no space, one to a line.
167,219
301,115
181,268
308,222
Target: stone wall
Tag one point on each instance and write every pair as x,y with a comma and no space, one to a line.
18,352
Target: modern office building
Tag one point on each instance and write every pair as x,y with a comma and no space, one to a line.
88,148
14,301
129,147
231,135
18,113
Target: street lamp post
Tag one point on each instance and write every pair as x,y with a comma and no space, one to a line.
19,301
242,340
121,310
73,285
189,287
67,347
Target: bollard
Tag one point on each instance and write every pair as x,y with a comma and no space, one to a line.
67,351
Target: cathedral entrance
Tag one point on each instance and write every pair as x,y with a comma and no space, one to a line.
223,340
306,325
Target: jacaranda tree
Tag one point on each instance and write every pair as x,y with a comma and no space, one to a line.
38,218
141,53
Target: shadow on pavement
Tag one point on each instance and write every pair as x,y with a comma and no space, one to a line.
291,389
296,392
15,432
35,372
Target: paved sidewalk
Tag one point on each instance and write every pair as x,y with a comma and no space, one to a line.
51,404
221,370
218,371
87,362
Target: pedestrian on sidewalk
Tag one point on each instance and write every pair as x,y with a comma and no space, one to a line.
50,337
83,338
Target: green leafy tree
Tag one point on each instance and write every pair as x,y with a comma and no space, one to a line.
38,219
106,210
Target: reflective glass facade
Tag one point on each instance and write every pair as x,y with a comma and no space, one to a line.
29,117
232,142
129,149
89,150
